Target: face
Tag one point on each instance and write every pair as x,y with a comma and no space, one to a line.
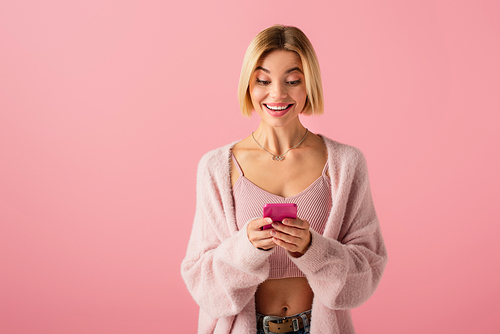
278,89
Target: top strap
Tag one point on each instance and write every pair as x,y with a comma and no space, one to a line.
236,164
325,169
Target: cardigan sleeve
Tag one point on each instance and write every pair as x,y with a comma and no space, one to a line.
345,272
221,269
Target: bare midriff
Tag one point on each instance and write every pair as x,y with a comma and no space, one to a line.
284,297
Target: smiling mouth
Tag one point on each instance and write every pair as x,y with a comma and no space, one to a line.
278,108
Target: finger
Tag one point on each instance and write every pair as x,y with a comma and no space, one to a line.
298,223
286,229
261,239
265,234
290,239
258,223
296,249
265,244
258,235
287,246
291,230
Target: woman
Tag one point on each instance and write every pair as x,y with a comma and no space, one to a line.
302,274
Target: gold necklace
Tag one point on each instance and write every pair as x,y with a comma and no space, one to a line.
282,156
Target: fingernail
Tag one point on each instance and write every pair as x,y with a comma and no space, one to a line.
275,225
269,220
286,221
273,233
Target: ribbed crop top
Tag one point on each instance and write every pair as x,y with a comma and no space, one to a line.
313,204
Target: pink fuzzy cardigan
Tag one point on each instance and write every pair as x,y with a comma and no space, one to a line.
222,269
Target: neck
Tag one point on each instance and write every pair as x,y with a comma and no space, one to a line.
279,139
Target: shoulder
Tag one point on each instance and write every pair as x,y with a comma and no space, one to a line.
340,152
217,160
346,162
241,148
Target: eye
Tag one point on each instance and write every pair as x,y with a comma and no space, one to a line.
263,82
294,82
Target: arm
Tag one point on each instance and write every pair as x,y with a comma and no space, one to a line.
222,269
344,273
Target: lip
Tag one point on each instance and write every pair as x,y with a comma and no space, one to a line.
278,113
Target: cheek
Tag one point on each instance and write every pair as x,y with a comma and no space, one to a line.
257,94
301,96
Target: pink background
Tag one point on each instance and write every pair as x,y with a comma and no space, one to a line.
107,106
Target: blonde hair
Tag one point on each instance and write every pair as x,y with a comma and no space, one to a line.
288,38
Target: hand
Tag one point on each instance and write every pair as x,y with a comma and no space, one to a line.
293,235
261,239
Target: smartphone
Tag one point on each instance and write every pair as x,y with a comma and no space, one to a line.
279,211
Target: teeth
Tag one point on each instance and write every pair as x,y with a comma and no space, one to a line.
276,108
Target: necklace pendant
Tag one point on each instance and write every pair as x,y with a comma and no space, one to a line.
281,157
278,158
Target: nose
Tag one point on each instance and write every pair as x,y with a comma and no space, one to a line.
278,91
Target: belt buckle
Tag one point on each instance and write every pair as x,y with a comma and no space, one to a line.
295,323
267,319
265,323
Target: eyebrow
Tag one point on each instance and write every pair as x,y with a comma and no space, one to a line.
288,71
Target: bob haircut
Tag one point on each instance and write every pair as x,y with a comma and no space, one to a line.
288,38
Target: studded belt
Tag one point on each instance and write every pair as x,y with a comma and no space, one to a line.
271,324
